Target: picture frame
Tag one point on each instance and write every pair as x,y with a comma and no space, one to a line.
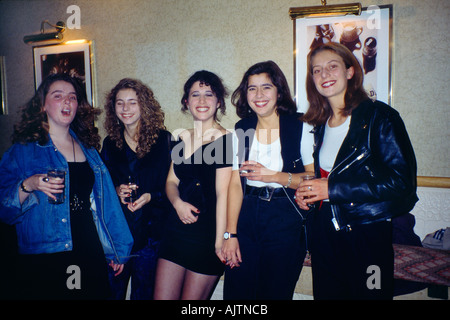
368,36
72,57
3,100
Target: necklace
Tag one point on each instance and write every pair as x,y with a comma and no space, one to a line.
58,148
73,150
132,143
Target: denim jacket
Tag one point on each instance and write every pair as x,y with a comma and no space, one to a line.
45,228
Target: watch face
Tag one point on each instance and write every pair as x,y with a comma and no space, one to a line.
226,235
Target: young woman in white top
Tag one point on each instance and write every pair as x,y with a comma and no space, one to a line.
265,239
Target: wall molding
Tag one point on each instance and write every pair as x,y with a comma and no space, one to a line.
433,182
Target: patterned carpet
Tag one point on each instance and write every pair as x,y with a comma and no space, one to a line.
422,264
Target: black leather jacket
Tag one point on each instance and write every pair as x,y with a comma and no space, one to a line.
374,177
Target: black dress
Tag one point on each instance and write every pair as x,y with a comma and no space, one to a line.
192,246
87,250
46,276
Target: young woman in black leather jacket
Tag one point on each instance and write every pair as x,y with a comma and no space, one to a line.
367,175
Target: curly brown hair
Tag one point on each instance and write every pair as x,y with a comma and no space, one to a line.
34,127
150,123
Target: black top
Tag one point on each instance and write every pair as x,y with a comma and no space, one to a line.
150,174
197,175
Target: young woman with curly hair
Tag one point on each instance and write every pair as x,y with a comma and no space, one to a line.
141,131
137,150
57,132
34,125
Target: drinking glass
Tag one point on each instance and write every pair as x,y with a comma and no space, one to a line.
133,195
57,175
309,177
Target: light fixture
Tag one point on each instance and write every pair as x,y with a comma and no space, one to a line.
325,10
58,35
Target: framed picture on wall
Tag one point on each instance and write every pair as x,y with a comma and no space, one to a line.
368,36
71,57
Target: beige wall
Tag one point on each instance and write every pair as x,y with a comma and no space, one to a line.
162,42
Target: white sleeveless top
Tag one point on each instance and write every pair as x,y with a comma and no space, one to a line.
332,142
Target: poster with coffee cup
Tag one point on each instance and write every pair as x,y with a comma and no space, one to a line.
368,36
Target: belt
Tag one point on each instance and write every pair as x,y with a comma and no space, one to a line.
268,193
265,192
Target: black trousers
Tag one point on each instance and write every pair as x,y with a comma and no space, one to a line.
350,265
272,243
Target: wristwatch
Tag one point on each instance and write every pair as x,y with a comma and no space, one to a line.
228,235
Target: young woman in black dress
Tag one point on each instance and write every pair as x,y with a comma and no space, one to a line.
190,261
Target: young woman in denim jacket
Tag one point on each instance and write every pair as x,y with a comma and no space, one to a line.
64,248
368,176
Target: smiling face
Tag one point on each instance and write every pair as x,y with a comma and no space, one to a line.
202,101
127,107
330,76
61,104
262,94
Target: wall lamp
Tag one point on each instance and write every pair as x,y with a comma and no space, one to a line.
58,35
325,10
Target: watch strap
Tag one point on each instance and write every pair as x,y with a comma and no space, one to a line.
228,235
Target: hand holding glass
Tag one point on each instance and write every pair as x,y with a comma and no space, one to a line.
132,194
58,176
309,177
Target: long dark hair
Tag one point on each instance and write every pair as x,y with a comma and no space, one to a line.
150,123
285,103
209,79
319,109
34,126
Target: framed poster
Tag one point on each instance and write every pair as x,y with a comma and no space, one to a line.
72,57
368,36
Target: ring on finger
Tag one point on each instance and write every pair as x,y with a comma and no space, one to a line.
310,188
45,179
